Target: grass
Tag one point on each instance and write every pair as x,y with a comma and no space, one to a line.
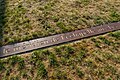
80,73
116,35
41,71
19,21
105,40
1,65
96,58
59,75
52,60
77,60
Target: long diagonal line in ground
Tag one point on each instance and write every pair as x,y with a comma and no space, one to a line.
22,47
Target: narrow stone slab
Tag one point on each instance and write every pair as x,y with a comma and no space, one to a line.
56,39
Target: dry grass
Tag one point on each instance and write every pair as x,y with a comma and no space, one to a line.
28,19
94,58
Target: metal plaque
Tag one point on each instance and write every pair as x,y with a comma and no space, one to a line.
56,39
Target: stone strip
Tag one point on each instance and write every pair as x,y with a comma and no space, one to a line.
17,48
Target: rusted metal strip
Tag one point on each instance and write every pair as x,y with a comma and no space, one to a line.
56,39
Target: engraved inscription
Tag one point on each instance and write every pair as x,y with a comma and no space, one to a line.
90,31
109,27
16,48
101,29
60,38
6,50
54,40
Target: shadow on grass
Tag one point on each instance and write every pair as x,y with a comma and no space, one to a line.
2,19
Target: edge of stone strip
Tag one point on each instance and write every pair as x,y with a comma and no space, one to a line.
34,44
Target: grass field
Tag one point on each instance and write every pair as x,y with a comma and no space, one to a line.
28,19
94,58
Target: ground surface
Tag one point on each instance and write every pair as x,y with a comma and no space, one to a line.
28,19
95,58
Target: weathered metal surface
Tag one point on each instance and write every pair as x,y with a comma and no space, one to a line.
56,39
